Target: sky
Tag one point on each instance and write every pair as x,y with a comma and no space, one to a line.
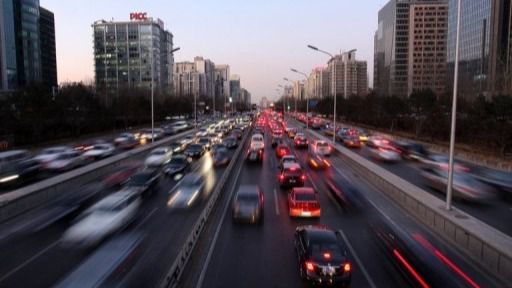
260,39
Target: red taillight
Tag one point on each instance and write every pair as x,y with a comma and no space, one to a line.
303,177
347,267
327,255
281,177
310,266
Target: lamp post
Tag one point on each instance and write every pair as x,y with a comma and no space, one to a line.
307,100
295,100
152,97
449,188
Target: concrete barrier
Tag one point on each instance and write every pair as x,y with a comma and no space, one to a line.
490,248
21,200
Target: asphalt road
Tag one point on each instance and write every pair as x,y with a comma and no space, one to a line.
264,256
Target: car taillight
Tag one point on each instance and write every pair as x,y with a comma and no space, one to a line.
303,177
310,266
347,267
281,177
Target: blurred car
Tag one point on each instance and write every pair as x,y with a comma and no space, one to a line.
500,179
258,130
126,141
345,193
189,139
379,148
65,161
411,151
100,151
464,185
203,132
178,164
205,142
300,140
221,156
230,142
149,134
106,217
276,139
237,133
248,204
321,147
287,159
282,149
143,182
158,157
17,166
322,256
351,141
120,176
363,135
49,154
303,202
217,146
189,190
194,150
291,175
317,161
177,147
438,161
291,131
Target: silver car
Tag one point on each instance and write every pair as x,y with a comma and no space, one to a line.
248,205
188,192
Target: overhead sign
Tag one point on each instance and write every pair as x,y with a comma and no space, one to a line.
138,16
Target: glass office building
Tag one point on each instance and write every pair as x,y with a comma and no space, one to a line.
129,54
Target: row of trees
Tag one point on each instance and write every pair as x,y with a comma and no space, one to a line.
484,124
34,115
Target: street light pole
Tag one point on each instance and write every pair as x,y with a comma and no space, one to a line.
307,99
449,188
152,99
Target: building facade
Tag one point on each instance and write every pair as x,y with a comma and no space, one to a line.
355,71
221,78
299,92
132,54
206,76
318,83
27,45
235,89
185,79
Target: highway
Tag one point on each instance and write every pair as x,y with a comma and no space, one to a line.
256,256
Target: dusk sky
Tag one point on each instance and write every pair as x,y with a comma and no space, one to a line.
260,40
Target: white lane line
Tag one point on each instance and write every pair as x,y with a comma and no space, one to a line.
146,218
37,255
276,201
358,260
217,232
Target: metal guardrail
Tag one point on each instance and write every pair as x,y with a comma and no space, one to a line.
490,248
34,195
172,278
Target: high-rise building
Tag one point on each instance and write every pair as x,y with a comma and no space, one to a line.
355,71
221,79
132,54
299,92
402,26
27,45
235,88
185,79
317,85
206,75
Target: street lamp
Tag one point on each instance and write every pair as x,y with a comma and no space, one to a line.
449,187
295,100
307,100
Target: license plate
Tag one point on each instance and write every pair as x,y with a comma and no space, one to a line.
292,181
306,214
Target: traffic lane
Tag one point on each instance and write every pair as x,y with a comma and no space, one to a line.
252,254
49,260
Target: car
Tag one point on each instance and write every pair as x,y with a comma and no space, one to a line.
65,161
276,139
158,157
380,149
411,151
49,154
287,159
464,186
291,175
322,256
126,141
318,161
189,139
188,191
149,134
177,147
217,146
221,156
502,180
259,130
100,151
17,166
303,202
248,205
230,142
300,140
109,215
205,142
282,149
292,132
321,147
120,176
257,142
178,164
194,150
237,133
346,194
351,141
203,132
143,182
439,161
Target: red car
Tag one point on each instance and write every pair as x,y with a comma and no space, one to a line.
121,176
303,202
282,150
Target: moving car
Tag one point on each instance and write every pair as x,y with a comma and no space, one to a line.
100,151
178,164
276,139
282,150
203,132
205,142
221,156
149,134
177,147
17,166
317,161
126,141
237,133
48,154
230,142
322,256
287,159
411,151
106,217
291,175
189,139
248,204
194,150
300,140
158,157
321,147
379,148
351,141
345,193
256,148
303,202
120,176
65,161
143,182
188,191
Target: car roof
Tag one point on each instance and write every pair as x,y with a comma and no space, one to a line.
319,233
290,165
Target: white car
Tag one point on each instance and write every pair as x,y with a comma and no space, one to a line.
380,149
159,157
49,154
321,147
109,215
65,161
203,132
188,140
257,142
100,151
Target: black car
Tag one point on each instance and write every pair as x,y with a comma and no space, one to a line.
300,141
230,142
221,156
291,175
205,142
143,182
411,151
248,205
194,150
322,256
237,133
177,147
178,164
217,146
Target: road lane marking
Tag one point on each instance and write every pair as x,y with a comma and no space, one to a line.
313,182
358,260
146,218
277,202
37,255
217,232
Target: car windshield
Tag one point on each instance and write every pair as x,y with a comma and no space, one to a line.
178,161
248,198
305,196
322,144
